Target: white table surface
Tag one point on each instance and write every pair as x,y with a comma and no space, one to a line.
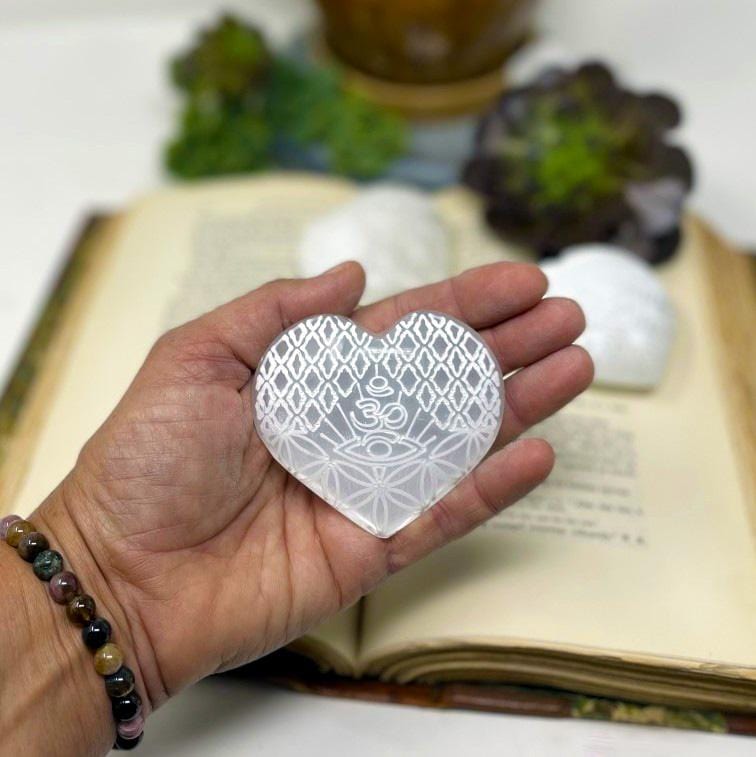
85,107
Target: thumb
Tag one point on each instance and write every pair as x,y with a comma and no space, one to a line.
251,322
241,330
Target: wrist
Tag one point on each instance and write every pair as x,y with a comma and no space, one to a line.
71,527
52,700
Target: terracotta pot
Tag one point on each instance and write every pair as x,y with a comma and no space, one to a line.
425,41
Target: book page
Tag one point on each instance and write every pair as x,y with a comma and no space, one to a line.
639,542
176,255
639,545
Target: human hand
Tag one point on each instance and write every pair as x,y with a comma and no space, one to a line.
204,551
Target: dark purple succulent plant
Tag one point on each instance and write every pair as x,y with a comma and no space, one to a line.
574,157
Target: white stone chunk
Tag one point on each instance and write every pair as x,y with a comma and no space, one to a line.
394,231
630,318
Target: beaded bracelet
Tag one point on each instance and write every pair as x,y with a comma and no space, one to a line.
64,588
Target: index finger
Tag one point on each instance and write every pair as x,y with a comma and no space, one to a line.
480,297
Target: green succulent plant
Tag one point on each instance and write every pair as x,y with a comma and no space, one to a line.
214,140
359,137
227,60
575,157
248,109
576,160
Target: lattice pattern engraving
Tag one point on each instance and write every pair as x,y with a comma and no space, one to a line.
380,427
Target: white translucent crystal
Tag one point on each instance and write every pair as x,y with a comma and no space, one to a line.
630,319
380,427
394,231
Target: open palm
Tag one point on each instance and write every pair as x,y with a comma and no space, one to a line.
213,553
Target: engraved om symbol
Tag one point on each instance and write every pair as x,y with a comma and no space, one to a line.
380,422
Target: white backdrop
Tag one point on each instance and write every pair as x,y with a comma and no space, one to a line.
85,107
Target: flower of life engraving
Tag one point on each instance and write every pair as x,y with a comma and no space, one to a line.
379,426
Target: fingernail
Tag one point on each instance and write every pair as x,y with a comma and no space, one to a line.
336,268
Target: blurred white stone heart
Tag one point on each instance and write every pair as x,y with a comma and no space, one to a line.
394,231
380,427
630,319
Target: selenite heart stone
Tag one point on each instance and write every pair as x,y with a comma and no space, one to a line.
379,426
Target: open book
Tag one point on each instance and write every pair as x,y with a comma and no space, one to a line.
631,573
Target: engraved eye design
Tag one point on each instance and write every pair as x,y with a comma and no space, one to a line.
382,447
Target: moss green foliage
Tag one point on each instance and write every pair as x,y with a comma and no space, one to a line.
227,61
358,141
567,159
618,711
575,157
214,141
310,106
247,109
301,102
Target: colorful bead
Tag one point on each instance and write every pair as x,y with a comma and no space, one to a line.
5,522
120,683
63,587
127,708
126,744
16,530
96,633
31,545
108,658
47,563
131,729
81,609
